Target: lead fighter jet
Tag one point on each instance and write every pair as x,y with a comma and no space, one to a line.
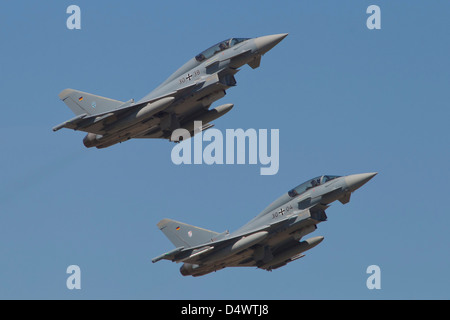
183,98
269,241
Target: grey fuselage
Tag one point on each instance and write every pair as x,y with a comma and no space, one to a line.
278,229
212,77
185,97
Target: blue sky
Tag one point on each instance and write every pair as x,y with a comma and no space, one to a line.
346,100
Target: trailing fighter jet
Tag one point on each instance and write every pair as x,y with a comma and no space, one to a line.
269,241
185,97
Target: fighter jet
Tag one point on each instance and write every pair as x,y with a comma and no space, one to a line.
186,96
270,240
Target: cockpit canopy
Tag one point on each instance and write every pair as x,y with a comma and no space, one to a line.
310,184
208,53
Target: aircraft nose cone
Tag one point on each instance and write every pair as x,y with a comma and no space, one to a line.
266,43
356,181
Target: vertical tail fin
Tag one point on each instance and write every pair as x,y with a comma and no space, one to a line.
185,235
82,102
